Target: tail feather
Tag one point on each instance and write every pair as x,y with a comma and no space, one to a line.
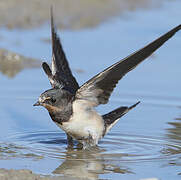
111,118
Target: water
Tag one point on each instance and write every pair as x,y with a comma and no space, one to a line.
144,143
115,154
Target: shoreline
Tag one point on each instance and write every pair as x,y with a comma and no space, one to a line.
13,174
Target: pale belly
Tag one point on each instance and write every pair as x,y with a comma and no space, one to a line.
85,125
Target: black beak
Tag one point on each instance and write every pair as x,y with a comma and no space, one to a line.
37,104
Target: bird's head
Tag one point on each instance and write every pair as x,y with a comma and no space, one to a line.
54,99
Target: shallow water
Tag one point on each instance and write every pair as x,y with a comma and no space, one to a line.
144,143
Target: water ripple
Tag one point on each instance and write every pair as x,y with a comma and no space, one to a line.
114,147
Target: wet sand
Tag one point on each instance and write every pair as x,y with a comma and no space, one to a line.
69,14
12,63
22,174
25,174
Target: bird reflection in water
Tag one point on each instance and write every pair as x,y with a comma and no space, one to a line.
174,135
88,164
174,132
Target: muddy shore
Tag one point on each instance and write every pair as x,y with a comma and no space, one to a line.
69,14
25,174
21,174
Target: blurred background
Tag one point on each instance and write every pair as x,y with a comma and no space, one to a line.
95,34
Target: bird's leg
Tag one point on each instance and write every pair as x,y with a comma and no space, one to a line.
88,142
70,141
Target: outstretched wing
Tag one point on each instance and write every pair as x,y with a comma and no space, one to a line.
60,75
98,89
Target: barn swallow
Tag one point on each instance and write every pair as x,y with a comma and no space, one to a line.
72,107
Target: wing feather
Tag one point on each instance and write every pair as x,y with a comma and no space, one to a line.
99,88
61,74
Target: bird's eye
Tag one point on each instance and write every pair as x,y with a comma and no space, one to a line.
53,100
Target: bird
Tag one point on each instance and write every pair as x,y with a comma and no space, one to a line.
72,107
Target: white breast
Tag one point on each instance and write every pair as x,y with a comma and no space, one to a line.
84,122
